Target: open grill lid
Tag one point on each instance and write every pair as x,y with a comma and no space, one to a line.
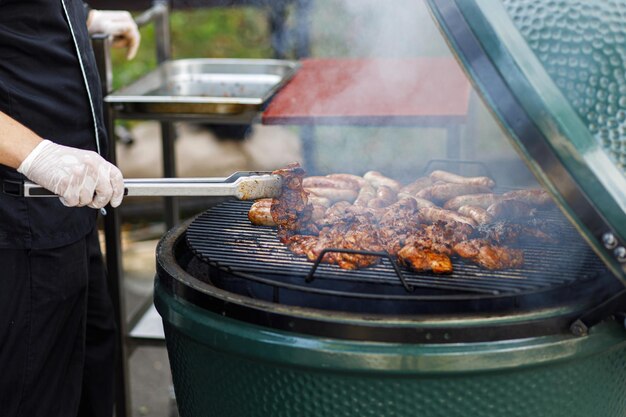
554,74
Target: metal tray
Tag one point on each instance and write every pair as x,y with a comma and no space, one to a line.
229,90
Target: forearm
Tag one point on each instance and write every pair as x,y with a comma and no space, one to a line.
16,141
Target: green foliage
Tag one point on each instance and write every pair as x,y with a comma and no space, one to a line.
241,32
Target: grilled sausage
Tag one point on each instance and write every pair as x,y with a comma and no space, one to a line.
478,214
444,192
534,197
436,214
510,209
325,182
377,179
260,214
367,193
421,202
360,181
476,200
449,177
417,186
333,194
319,201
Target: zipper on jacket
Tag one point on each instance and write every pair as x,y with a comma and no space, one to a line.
82,70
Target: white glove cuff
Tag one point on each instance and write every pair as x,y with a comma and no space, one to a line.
27,162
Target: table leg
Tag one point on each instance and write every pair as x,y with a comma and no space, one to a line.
168,135
303,28
307,136
278,17
453,149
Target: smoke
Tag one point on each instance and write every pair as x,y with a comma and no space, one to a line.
374,28
383,34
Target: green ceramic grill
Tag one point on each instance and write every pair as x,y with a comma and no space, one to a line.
252,330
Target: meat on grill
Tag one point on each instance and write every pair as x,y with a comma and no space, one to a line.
260,213
488,255
442,192
510,210
291,211
424,260
436,214
376,214
502,232
416,186
534,197
478,214
483,200
459,179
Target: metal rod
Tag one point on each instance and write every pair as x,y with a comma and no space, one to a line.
244,188
101,46
310,277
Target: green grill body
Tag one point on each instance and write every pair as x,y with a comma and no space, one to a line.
223,367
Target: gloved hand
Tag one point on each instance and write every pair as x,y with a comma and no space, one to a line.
79,177
120,25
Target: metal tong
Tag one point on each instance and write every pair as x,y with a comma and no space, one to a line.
243,185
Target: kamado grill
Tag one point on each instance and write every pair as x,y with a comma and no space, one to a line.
254,330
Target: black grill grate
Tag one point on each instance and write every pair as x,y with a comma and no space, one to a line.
224,238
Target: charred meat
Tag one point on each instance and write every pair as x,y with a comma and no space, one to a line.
489,256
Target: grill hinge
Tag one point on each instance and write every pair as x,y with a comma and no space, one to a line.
614,306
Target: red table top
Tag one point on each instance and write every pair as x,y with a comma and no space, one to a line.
417,91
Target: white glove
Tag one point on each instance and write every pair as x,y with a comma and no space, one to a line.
79,177
120,25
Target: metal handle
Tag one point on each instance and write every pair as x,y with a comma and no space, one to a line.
245,185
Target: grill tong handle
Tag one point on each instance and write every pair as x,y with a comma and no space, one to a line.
246,185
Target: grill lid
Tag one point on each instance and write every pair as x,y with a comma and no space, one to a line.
553,73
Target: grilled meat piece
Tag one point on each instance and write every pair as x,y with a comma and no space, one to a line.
384,197
301,244
510,210
377,179
476,200
260,213
355,233
397,223
320,201
478,214
509,233
446,176
440,193
490,256
326,182
359,181
440,237
417,186
291,211
366,194
421,202
336,213
333,194
436,214
424,260
534,197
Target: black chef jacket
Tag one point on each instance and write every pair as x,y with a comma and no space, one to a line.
49,83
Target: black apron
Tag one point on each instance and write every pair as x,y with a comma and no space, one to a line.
49,83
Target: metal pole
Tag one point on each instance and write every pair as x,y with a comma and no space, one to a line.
168,132
101,46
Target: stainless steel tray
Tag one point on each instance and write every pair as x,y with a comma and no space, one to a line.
230,89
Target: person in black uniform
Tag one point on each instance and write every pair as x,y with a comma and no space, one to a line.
57,332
